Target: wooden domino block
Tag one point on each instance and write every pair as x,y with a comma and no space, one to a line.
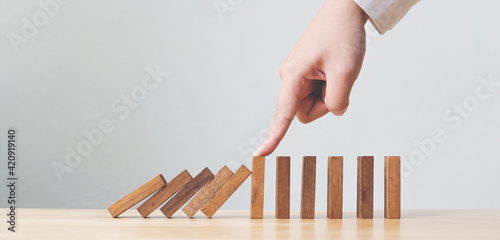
137,195
164,194
308,187
191,188
282,187
207,192
257,198
226,191
392,187
365,187
335,187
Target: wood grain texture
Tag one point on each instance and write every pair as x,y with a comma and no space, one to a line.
82,224
164,194
335,187
392,187
226,191
307,204
207,192
257,198
191,188
137,195
282,187
365,187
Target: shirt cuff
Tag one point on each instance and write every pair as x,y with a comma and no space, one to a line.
384,14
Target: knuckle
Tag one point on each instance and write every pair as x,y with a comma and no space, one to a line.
304,118
282,71
301,117
287,71
282,119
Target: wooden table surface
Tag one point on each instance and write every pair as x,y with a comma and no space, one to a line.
68,224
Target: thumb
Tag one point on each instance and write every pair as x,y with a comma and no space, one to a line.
336,93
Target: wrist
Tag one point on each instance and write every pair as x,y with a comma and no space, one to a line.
349,8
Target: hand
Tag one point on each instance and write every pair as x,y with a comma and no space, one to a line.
318,74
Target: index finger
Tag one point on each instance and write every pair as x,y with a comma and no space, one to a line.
286,109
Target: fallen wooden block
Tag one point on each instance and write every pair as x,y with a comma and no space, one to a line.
191,188
257,198
365,187
226,191
207,192
137,195
392,187
335,187
307,204
282,187
164,194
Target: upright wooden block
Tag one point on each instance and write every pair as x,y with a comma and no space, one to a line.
207,192
308,187
257,198
282,187
335,187
191,188
137,195
392,187
226,191
365,187
164,194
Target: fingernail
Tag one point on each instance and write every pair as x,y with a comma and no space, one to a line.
339,113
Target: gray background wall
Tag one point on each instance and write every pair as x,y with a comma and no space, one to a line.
218,99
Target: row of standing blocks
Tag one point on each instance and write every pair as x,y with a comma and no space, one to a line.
364,209
208,192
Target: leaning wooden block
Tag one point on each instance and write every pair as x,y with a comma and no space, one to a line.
365,187
392,187
282,187
226,191
164,194
207,192
257,198
307,204
191,188
335,186
137,195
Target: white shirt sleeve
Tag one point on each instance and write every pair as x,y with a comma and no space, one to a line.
384,14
